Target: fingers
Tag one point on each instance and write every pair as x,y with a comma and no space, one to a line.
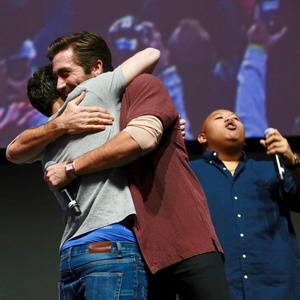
99,113
79,98
270,141
56,177
258,34
96,111
271,138
78,119
275,38
182,122
276,143
263,143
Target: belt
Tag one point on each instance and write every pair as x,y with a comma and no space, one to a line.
100,247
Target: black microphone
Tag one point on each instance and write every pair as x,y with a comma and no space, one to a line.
277,161
72,203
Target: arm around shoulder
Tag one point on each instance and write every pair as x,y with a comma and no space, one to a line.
28,145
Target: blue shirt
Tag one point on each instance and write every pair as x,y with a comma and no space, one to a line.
113,232
251,215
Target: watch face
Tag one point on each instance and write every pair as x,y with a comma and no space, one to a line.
69,167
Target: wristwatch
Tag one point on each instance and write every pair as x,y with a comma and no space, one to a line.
70,169
296,163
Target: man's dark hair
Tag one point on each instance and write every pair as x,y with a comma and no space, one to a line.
88,48
41,90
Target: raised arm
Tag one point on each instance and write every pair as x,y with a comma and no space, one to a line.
27,146
142,62
275,143
251,90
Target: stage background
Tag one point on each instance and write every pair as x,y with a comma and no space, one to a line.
30,218
199,68
31,227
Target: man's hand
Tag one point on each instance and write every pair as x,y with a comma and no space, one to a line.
258,34
56,176
77,119
28,145
275,143
182,123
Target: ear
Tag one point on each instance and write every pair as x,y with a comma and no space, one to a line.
97,69
202,138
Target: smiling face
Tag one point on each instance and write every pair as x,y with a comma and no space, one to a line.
69,73
222,131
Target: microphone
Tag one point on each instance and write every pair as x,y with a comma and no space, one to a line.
72,203
277,161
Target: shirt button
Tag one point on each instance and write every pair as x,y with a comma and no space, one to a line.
235,197
239,215
241,235
224,169
245,276
244,255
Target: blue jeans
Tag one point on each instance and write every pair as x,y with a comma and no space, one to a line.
103,271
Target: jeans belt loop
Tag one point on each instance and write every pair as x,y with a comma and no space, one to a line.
119,249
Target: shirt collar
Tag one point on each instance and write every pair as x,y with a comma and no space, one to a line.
214,156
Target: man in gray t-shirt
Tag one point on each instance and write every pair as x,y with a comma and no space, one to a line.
106,191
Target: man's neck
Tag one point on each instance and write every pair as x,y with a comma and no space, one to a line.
229,156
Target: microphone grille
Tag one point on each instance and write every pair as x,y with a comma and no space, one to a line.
49,163
268,130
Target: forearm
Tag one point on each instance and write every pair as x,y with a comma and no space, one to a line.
74,119
292,163
31,142
140,136
142,61
118,151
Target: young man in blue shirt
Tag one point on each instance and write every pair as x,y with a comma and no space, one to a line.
250,208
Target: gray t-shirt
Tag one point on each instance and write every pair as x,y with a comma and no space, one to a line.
104,197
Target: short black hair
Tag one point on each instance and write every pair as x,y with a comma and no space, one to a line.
41,90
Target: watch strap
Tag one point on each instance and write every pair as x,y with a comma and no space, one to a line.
70,169
296,163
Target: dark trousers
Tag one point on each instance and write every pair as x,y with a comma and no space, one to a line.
199,277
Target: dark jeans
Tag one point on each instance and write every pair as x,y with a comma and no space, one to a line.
196,278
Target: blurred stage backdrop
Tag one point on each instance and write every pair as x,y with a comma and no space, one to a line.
202,44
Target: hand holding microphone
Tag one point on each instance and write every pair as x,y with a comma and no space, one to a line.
66,193
279,169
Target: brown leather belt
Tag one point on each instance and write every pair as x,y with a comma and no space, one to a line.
100,247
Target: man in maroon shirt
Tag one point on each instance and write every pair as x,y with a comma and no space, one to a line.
173,226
